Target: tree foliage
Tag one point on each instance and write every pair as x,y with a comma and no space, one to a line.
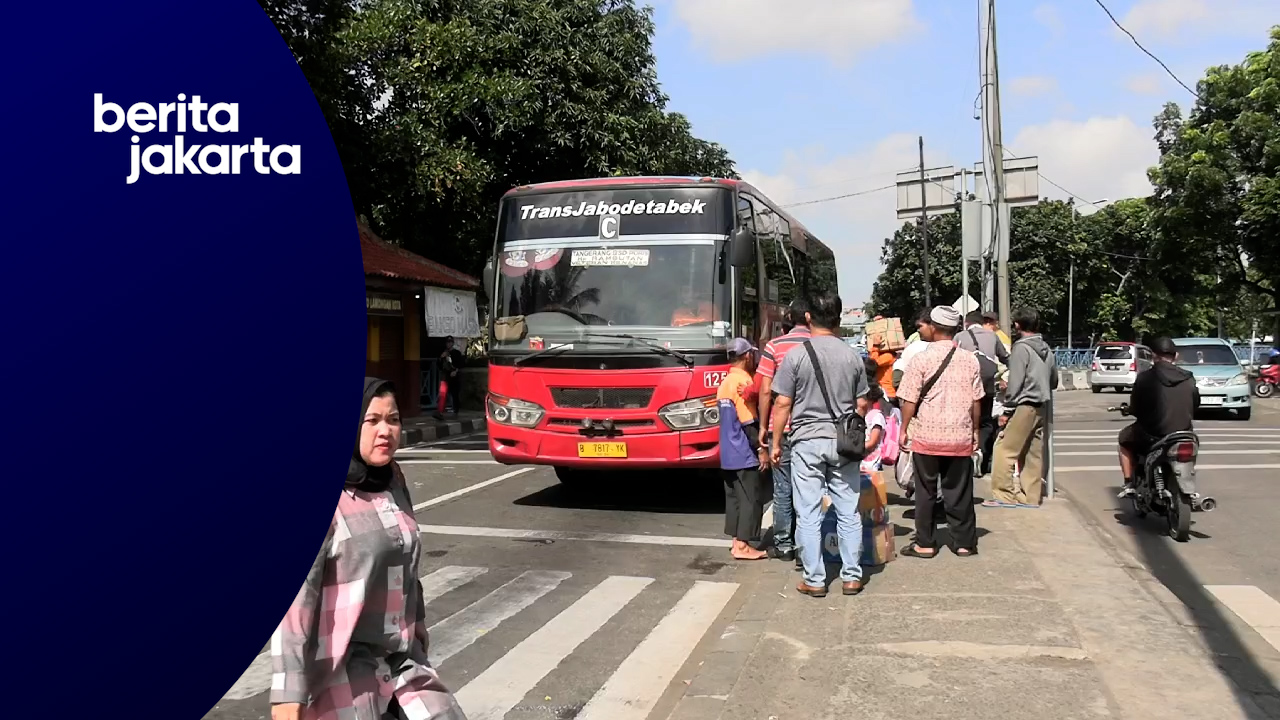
440,106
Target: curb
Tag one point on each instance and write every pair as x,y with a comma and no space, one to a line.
707,692
419,435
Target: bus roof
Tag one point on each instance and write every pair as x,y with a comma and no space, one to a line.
669,180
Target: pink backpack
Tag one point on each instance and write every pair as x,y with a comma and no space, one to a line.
889,446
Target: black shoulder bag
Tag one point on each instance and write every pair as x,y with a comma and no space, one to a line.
851,428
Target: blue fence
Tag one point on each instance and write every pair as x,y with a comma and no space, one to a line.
1076,359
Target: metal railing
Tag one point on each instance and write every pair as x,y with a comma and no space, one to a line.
1074,359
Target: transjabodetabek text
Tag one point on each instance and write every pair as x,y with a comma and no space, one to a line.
180,158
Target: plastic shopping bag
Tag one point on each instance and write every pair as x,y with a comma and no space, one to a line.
904,471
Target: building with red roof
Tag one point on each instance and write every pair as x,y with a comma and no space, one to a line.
404,297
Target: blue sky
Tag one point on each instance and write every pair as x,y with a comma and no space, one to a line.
816,98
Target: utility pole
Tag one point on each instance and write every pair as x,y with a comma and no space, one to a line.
1071,280
993,159
924,230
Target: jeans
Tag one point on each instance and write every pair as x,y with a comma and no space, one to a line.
784,518
816,470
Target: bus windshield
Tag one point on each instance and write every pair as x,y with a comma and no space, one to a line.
574,268
666,293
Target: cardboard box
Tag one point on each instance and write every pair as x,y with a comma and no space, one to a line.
877,531
891,329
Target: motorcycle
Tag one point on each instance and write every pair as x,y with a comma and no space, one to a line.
1264,385
1166,481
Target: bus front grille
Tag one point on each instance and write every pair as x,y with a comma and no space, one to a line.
617,398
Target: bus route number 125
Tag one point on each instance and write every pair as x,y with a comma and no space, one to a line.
713,378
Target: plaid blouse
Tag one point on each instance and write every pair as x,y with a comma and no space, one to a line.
355,636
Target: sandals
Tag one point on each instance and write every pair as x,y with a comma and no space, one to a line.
964,552
913,550
998,504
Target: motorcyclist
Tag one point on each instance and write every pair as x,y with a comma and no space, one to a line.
1163,401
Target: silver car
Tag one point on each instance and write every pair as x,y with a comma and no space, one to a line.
1117,364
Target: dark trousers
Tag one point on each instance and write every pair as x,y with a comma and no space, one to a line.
743,503
987,432
955,477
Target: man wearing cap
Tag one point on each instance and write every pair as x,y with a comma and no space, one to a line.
784,523
740,462
941,396
817,469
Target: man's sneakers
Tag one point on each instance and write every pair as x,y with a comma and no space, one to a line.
1127,490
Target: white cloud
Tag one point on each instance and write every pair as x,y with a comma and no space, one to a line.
1102,157
1048,16
733,30
1145,84
1033,85
853,228
1169,19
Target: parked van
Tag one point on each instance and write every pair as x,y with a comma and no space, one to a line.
1117,364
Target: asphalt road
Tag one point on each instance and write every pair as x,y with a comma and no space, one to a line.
550,603
1227,576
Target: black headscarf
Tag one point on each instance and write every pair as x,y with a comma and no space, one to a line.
360,475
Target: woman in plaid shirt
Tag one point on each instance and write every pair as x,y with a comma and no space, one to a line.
353,645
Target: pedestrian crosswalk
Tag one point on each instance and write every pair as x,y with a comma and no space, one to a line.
1223,446
629,692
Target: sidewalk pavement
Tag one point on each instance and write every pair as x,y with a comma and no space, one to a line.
1048,620
426,428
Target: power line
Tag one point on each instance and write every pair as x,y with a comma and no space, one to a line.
1143,49
841,197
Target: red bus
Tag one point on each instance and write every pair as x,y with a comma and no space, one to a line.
611,303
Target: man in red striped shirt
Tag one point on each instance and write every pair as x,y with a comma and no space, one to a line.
784,520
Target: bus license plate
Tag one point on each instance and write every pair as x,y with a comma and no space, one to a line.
602,450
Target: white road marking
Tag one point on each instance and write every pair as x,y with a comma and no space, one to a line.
635,687
448,462
1111,453
413,454
504,684
564,535
1116,468
1257,609
470,488
456,632
257,677
446,579
1203,444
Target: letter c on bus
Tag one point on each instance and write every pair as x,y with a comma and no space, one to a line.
608,227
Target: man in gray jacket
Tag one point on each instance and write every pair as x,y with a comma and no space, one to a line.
1032,377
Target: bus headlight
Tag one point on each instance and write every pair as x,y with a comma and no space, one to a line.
513,411
693,414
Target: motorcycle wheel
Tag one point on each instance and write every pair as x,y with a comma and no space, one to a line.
1179,514
1264,389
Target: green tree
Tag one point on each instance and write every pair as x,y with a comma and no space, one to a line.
1217,187
457,101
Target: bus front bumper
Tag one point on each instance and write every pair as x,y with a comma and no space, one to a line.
519,446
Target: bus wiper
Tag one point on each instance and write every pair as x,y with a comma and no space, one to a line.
648,342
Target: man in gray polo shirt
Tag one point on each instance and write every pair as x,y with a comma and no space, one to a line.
817,468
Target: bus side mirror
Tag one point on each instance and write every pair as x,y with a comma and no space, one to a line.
488,279
742,249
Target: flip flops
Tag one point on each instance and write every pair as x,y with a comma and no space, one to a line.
912,550
998,504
